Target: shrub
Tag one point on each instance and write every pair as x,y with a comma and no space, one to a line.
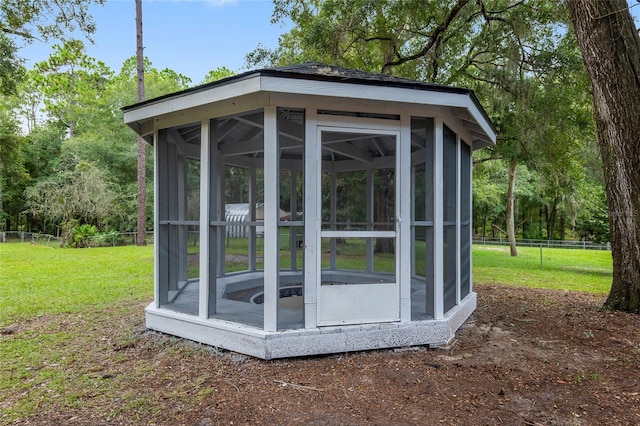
82,235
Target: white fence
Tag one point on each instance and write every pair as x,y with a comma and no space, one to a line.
569,244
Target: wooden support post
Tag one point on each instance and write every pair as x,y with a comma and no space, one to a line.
207,290
404,207
271,219
312,218
161,231
438,218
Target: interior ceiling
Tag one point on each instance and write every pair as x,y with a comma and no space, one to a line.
243,134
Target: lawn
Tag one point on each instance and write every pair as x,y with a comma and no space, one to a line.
553,268
72,334
37,280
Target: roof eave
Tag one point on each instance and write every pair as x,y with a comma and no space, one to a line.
140,116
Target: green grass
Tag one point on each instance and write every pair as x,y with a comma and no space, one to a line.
38,280
90,301
564,269
93,288
561,269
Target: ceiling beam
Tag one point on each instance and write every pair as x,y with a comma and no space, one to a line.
350,151
254,145
187,149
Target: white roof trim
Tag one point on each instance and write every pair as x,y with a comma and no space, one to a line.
307,87
193,99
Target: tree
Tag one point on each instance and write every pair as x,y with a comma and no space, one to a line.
71,82
37,20
11,161
81,195
31,99
100,139
142,145
113,147
610,48
10,66
217,74
593,220
515,55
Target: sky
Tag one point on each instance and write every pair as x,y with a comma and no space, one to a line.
190,37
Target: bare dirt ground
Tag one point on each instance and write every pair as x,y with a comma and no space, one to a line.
526,357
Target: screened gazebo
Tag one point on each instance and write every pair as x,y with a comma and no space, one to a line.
355,191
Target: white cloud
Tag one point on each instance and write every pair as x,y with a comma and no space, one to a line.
222,3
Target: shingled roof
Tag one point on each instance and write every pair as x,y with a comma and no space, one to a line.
321,72
315,70
323,80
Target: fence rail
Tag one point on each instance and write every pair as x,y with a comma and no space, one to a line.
569,244
102,240
28,237
538,254
129,238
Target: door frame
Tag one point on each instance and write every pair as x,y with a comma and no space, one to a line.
335,302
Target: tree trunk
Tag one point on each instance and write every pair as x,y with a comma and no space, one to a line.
484,223
142,158
385,207
610,48
550,217
511,201
6,221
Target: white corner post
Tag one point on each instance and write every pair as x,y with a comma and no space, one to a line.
312,218
271,219
207,296
438,219
404,203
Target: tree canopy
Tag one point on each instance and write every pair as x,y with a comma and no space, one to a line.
35,20
520,57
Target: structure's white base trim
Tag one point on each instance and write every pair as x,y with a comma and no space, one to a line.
322,340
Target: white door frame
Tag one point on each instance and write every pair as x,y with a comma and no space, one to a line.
335,303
